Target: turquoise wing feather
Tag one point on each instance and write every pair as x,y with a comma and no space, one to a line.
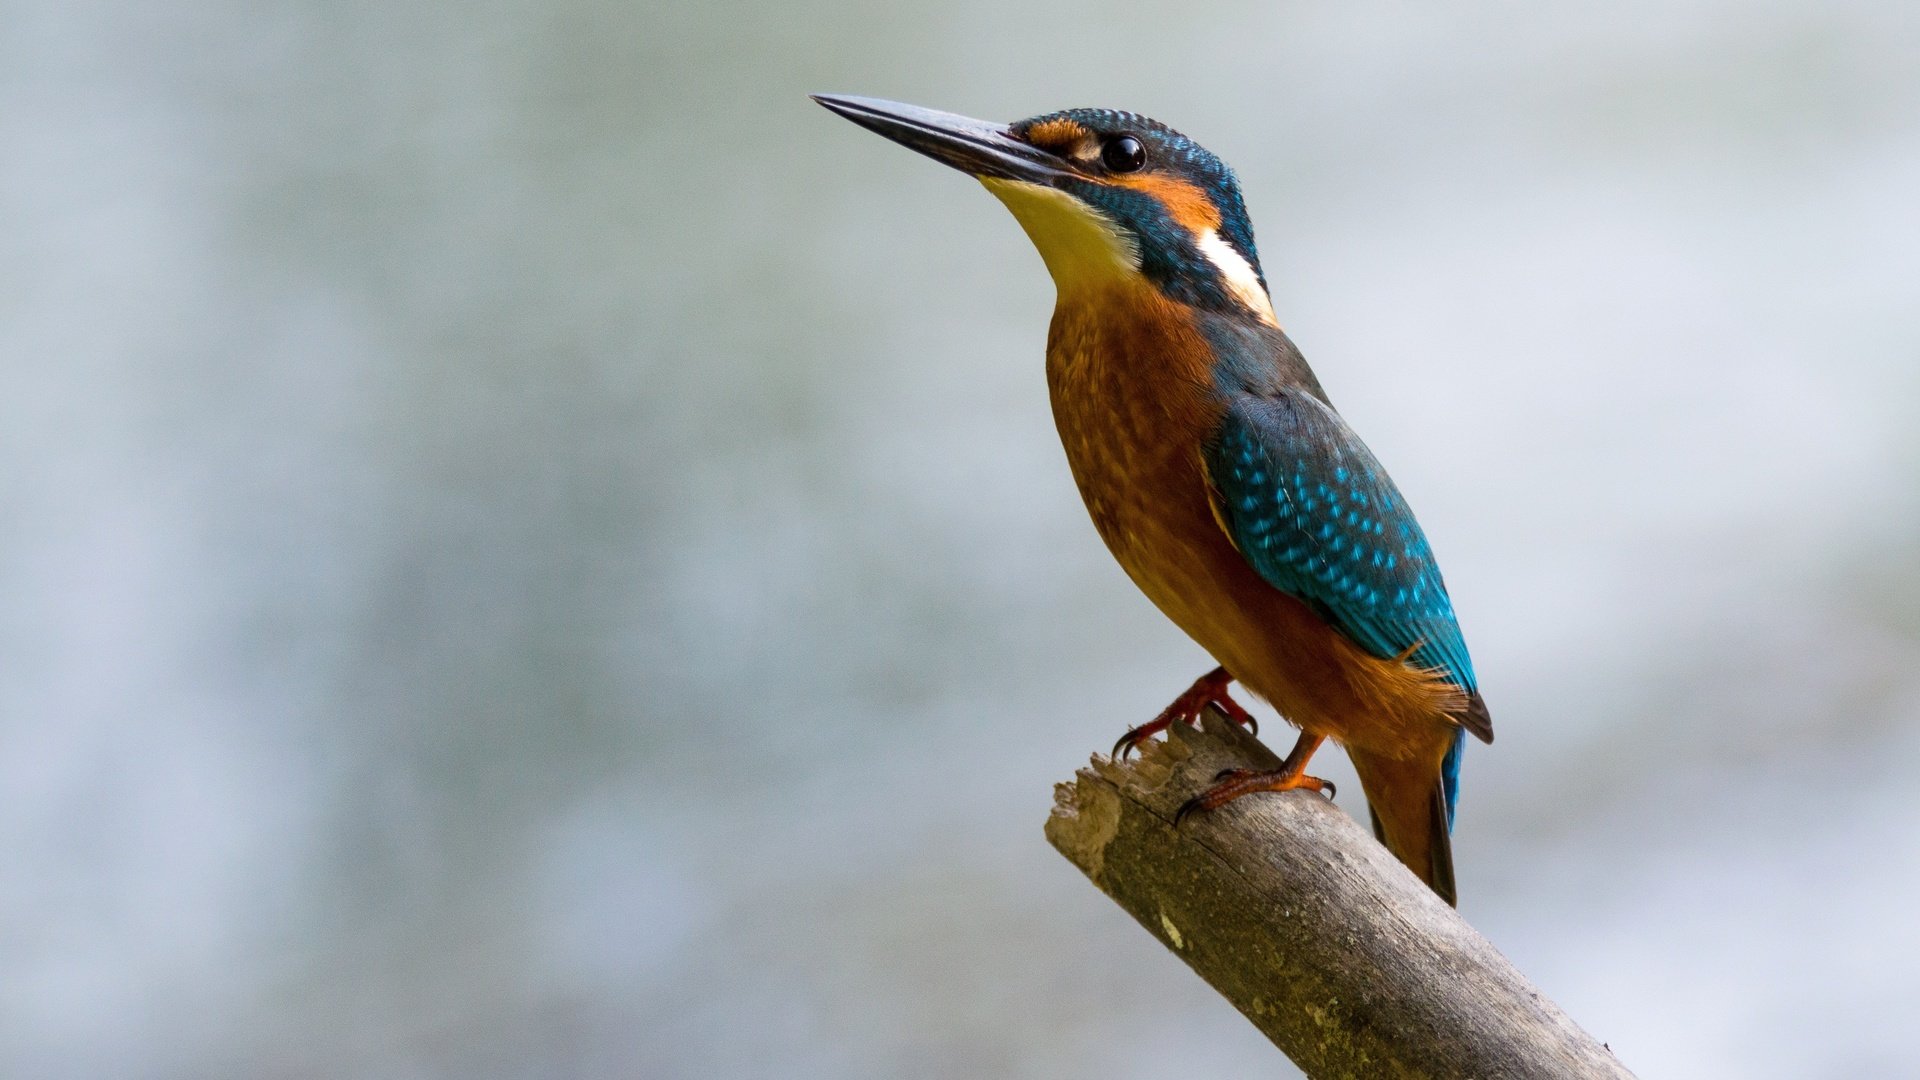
1313,512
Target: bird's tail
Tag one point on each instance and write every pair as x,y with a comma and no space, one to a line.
1408,801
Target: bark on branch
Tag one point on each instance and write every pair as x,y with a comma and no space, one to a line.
1292,911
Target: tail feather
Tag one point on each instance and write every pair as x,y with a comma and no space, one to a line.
1450,773
1408,803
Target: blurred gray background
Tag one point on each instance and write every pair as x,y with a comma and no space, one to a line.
532,550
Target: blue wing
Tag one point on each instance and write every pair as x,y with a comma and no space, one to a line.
1311,509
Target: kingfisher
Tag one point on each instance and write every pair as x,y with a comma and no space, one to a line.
1217,470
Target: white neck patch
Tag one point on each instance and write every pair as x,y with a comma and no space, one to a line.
1241,281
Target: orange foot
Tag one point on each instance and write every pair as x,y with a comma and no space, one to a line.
1209,689
1234,783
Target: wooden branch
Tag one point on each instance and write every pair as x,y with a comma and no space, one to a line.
1295,914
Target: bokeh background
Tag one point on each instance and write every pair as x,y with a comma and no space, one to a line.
531,550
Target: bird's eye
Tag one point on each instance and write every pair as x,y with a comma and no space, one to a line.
1124,154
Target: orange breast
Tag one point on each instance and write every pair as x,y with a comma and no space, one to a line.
1132,386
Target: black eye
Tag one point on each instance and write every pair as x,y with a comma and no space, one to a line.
1124,154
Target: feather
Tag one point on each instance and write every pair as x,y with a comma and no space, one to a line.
1313,512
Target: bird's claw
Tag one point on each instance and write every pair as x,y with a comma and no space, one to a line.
1128,743
1208,691
1230,709
1230,784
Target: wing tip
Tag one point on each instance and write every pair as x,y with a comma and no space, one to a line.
1477,719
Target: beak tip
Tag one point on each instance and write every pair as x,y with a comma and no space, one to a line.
837,103
976,147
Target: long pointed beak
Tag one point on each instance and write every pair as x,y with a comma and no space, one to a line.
976,147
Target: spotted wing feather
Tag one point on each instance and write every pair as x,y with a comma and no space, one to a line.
1313,512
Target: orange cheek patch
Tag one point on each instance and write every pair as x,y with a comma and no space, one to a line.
1056,134
1186,204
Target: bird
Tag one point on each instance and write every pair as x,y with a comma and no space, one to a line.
1216,469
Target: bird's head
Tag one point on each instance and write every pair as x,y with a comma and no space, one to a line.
1110,198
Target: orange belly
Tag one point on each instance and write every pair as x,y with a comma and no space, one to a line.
1131,382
